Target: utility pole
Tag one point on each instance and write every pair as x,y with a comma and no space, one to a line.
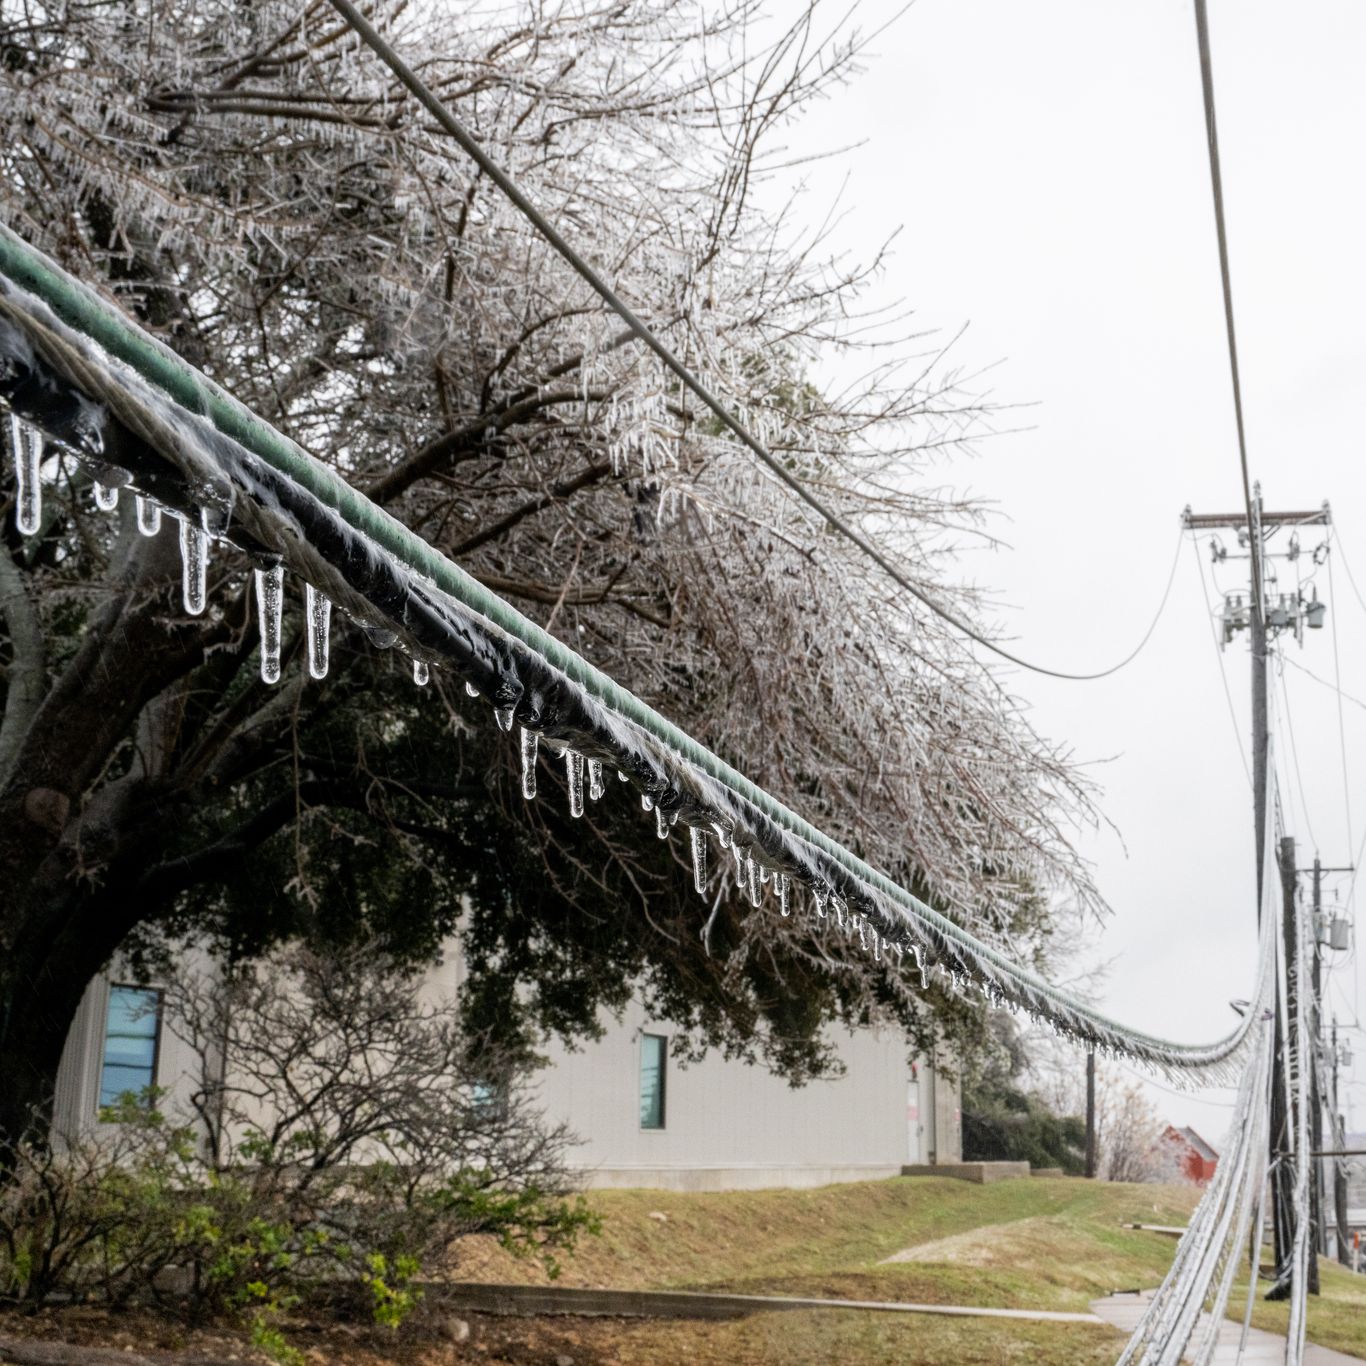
1264,618
1091,1111
1339,1165
1320,1194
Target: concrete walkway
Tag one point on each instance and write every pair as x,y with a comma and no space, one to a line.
1124,1312
689,1304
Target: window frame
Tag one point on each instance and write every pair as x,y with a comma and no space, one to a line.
663,1042
100,1103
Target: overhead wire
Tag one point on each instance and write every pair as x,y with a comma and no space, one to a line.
1225,276
437,108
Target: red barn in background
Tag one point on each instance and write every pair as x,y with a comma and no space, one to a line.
1194,1158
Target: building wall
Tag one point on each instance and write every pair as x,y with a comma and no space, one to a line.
727,1125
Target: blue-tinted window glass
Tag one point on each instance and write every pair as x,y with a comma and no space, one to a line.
130,1042
652,1056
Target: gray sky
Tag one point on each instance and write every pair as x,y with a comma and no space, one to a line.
1047,167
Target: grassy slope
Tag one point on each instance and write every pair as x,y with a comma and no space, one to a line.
1047,1244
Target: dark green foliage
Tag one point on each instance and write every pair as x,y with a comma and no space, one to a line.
1004,1122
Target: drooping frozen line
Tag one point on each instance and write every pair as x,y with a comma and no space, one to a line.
26,444
317,630
284,501
270,600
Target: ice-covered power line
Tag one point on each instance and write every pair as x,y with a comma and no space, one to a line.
1216,177
439,110
94,380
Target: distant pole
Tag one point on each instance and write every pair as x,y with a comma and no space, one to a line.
1282,1180
1318,1192
1260,742
1339,1165
1090,1112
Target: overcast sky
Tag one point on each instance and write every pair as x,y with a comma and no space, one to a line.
1046,165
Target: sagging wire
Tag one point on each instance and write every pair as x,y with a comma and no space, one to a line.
437,108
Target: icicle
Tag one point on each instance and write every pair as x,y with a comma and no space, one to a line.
698,837
820,895
26,442
381,637
573,767
595,787
723,837
471,690
529,746
106,497
149,516
764,875
647,802
318,611
270,597
756,892
421,672
784,885
623,777
661,823
194,565
504,716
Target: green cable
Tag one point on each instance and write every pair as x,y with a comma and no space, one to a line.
80,308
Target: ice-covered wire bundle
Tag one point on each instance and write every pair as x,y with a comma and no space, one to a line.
81,374
1207,1257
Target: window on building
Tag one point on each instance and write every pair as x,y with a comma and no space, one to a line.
653,1053
130,1042
489,1101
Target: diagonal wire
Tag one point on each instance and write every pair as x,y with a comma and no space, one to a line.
457,130
1221,229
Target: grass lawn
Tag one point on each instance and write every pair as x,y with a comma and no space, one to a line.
1036,1243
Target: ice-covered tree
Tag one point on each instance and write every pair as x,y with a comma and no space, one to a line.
252,186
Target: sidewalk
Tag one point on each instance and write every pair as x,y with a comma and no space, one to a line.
1124,1312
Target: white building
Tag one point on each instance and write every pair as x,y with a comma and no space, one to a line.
644,1118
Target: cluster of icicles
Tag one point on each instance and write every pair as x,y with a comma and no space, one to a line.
583,775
